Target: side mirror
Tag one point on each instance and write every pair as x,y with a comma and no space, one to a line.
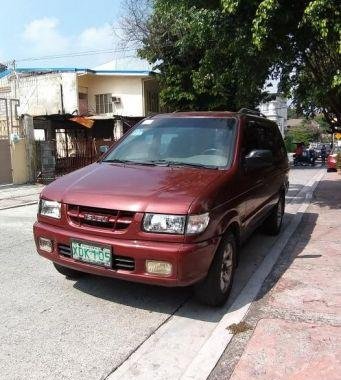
103,149
258,159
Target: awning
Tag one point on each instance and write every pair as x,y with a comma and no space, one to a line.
85,122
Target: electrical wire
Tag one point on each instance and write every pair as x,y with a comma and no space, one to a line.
71,54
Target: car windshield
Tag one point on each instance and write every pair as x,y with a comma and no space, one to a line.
192,141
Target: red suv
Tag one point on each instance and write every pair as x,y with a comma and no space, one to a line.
170,203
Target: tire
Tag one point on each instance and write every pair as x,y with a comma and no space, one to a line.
215,288
68,272
273,223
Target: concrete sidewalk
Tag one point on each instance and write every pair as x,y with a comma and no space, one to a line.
19,195
293,330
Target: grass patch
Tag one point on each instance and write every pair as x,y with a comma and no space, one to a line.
237,328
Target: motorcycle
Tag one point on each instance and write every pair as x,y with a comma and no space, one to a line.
308,157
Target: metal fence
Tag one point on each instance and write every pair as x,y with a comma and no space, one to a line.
62,156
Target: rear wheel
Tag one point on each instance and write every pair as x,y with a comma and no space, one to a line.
68,272
215,288
273,223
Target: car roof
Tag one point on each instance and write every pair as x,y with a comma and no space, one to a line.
197,114
208,114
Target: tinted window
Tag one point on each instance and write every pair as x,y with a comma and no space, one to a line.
264,136
194,140
256,137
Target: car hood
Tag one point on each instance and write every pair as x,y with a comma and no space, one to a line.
133,188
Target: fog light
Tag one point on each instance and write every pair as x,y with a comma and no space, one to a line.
45,245
161,268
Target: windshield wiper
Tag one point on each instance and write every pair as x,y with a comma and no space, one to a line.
119,161
193,165
180,163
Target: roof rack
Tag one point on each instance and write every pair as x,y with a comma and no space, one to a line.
251,112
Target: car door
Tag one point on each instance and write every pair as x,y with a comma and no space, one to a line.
254,178
275,177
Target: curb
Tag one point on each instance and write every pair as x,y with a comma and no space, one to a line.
160,356
21,205
211,351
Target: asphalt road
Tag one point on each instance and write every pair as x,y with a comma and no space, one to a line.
54,328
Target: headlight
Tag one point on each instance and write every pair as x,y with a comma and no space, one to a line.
49,208
197,223
171,224
175,224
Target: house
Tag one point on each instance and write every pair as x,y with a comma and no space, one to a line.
276,110
77,109
81,91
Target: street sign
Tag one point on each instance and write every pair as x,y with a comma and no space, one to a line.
337,136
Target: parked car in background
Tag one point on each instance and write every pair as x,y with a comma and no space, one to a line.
318,148
170,203
332,159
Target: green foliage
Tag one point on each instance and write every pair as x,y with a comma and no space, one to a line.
304,40
305,132
289,143
205,57
214,54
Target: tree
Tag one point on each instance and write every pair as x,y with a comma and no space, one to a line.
213,54
205,58
306,132
304,40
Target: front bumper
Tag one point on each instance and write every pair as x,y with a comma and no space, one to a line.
190,262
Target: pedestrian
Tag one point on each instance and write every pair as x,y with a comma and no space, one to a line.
323,154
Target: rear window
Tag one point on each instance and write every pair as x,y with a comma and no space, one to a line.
193,141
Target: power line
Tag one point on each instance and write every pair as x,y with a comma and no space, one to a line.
72,54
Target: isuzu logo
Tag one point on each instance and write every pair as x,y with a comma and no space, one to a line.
96,218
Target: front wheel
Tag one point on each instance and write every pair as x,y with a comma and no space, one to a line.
68,272
215,288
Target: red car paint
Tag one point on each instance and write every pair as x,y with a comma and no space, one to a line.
234,198
332,159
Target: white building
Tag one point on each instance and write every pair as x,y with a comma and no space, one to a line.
78,91
276,110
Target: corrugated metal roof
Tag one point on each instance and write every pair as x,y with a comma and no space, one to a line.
4,73
77,70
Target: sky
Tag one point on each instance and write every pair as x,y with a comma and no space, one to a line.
32,29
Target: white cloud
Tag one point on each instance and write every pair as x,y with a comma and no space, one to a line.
94,38
44,37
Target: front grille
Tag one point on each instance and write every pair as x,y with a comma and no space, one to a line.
119,262
64,250
114,220
126,263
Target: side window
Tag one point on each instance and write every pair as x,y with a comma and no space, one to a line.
250,138
276,142
264,140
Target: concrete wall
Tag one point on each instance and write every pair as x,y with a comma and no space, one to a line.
129,89
5,162
20,169
41,94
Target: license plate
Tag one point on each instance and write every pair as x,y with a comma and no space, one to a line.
91,253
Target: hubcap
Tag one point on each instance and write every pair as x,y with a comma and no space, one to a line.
226,268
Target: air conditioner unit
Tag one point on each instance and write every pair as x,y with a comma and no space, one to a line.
116,99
